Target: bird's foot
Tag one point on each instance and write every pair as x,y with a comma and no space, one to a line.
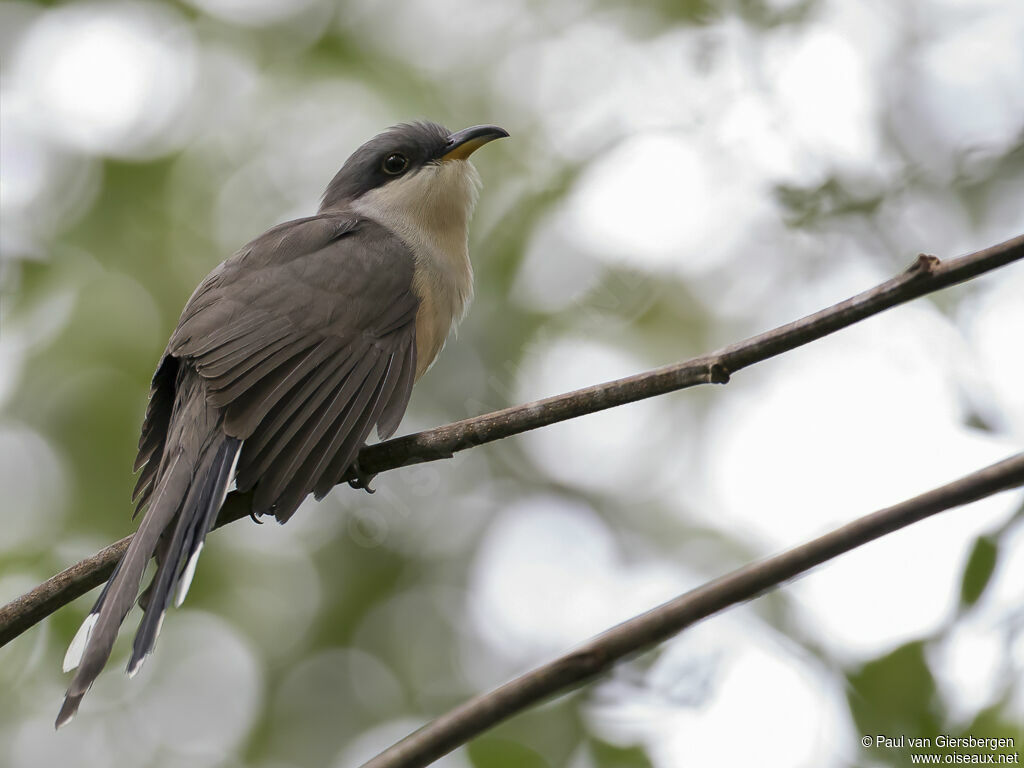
360,479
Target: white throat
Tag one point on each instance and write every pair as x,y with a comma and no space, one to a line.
430,211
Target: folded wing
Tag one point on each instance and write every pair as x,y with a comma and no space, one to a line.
306,340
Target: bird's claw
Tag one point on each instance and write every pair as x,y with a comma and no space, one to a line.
361,480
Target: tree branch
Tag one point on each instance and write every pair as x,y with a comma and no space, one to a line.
926,275
598,655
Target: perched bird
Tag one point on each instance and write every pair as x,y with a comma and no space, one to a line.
286,357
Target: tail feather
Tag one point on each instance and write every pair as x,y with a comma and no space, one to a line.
188,492
76,649
194,521
221,477
101,626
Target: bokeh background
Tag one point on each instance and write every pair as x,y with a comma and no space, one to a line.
681,174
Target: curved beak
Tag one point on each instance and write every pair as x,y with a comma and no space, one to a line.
464,143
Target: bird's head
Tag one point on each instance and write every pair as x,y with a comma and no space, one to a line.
414,169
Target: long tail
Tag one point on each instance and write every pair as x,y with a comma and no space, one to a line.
198,466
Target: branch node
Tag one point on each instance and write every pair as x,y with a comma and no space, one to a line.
925,264
718,374
587,662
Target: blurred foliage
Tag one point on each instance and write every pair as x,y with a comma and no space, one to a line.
618,757
499,753
895,694
979,569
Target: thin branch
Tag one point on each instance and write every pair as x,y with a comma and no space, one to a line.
601,653
28,610
926,275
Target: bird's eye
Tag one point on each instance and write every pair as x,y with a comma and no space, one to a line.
395,163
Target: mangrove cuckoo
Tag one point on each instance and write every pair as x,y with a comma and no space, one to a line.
286,357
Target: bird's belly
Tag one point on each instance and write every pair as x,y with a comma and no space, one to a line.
433,322
443,282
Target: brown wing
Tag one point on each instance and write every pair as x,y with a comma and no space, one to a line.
306,339
154,429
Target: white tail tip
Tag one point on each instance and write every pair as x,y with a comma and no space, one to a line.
186,577
133,670
79,643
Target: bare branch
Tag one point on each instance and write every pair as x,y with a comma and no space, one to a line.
598,655
926,275
31,608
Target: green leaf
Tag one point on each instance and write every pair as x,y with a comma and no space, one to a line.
894,694
979,569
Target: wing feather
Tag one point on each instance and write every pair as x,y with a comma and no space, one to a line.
290,460
341,455
306,340
394,407
315,456
352,429
277,359
248,409
154,429
273,437
242,356
195,338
